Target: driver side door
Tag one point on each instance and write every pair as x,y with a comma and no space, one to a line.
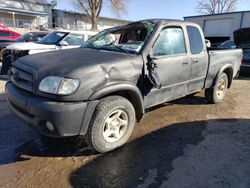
173,66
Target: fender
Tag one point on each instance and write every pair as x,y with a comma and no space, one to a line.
135,97
229,74
133,91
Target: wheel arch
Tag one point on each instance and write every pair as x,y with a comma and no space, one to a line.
128,91
228,70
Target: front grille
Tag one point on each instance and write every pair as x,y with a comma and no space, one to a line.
22,79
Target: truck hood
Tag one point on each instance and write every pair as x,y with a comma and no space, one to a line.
94,68
242,38
29,46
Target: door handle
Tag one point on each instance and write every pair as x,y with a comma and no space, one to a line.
185,63
195,61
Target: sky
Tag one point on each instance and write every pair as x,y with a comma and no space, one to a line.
142,9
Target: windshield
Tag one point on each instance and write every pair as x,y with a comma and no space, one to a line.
127,39
24,37
52,38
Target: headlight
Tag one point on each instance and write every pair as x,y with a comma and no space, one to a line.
59,85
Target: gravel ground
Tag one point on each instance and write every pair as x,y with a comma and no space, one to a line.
184,143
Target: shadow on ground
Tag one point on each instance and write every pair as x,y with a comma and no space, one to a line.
146,161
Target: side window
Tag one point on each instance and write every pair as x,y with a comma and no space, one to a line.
170,42
34,38
195,39
5,33
74,39
37,37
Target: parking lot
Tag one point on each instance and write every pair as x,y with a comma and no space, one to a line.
184,143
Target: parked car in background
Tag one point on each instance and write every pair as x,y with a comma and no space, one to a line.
229,44
242,40
27,37
101,89
8,34
57,40
5,40
3,26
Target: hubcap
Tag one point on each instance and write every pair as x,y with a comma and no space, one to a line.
221,88
115,126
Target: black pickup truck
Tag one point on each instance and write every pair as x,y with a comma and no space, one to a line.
102,88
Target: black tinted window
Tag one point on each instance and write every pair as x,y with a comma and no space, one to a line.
170,42
4,33
195,39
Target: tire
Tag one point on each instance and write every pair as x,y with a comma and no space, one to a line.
217,93
111,125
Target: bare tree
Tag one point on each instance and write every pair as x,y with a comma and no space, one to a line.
93,8
216,6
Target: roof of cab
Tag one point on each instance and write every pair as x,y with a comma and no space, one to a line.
162,21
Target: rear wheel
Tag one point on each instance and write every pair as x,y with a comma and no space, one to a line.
217,93
112,124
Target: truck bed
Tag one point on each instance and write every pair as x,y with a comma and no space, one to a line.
220,57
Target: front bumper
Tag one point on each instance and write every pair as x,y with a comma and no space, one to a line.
67,118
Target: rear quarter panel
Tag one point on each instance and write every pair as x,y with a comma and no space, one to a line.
220,59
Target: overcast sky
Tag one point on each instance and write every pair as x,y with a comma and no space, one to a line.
142,9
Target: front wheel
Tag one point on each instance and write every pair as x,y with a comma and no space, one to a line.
112,124
217,93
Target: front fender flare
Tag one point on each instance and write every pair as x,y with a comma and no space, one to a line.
133,91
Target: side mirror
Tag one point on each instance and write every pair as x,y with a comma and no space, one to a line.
153,75
208,43
63,43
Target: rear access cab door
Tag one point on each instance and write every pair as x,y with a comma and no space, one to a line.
180,71
199,58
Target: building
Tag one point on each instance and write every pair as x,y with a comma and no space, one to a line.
220,27
76,21
26,13
33,13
